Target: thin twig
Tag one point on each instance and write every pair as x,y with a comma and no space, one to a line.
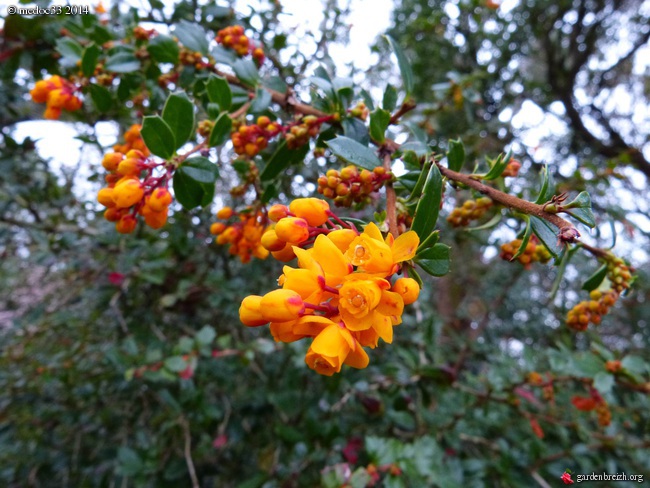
391,201
188,452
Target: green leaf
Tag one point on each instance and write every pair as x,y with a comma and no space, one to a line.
404,66
221,130
246,71
580,209
158,136
178,113
455,155
89,60
324,85
634,364
219,92
281,159
101,97
595,279
430,241
205,336
163,49
192,36
175,364
435,260
603,382
69,49
194,182
497,167
353,152
546,235
548,188
367,99
130,463
416,192
223,55
261,101
356,130
524,240
379,122
428,207
389,101
122,62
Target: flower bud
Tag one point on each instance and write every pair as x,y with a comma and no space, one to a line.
249,311
277,212
126,224
292,229
111,160
105,197
225,213
159,199
127,193
408,288
281,305
313,210
285,255
271,241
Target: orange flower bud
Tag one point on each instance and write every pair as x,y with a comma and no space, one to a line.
285,255
271,241
281,306
52,113
313,210
154,219
225,213
292,229
249,311
127,193
159,199
128,167
277,212
72,103
135,154
217,228
105,197
126,224
114,214
112,160
408,288
40,91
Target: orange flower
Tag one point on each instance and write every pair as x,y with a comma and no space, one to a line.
294,330
332,348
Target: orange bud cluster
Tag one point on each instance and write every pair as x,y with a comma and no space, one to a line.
594,402
126,196
58,94
613,366
249,140
534,378
340,295
350,185
142,34
470,210
204,127
167,79
601,300
359,111
512,169
243,231
233,37
133,140
534,252
300,133
191,58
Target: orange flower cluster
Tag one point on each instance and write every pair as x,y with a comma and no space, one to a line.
340,295
619,276
233,37
58,94
534,252
471,210
244,233
126,196
251,139
594,402
350,185
512,169
133,140
300,133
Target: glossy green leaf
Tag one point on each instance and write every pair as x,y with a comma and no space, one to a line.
158,136
223,55
261,102
547,235
428,207
379,122
178,113
367,99
595,279
246,71
163,49
219,92
205,336
389,102
524,240
220,132
547,189
101,97
175,364
194,182
580,209
430,241
497,167
192,36
69,49
635,364
603,382
404,66
122,62
435,260
282,158
353,152
455,155
356,130
89,60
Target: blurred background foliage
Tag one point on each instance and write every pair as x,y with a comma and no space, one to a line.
123,362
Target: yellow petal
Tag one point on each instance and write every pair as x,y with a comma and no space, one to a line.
358,358
371,230
384,328
405,246
331,259
391,304
330,342
311,325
